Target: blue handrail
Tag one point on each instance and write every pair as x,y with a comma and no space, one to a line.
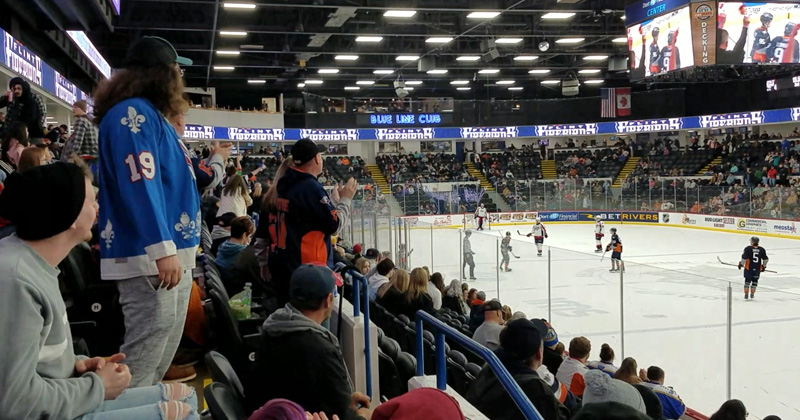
440,331
358,281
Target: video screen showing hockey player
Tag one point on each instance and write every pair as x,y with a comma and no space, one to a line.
667,41
770,34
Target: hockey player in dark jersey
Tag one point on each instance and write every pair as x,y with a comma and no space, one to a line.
785,49
655,53
761,40
615,246
670,56
505,248
754,261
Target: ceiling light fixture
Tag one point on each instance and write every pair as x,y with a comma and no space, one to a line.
227,52
539,71
439,40
314,82
399,13
505,82
550,82
241,6
223,68
620,40
464,88
369,39
365,82
413,82
459,82
569,40
483,15
351,88
508,40
383,72
301,85
589,71
489,71
516,88
345,57
256,81
468,58
407,58
233,33
622,17
328,71
526,58
594,82
437,71
558,15
595,57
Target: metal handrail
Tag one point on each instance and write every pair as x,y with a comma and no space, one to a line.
358,281
440,331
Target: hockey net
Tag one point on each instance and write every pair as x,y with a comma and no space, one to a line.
470,221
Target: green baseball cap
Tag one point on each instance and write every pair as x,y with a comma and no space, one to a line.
153,51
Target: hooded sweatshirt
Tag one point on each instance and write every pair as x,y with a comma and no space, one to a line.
29,109
602,388
305,365
226,255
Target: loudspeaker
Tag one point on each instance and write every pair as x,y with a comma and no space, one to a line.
490,55
487,45
426,63
570,87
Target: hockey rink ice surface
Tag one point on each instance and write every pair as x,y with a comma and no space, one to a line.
674,299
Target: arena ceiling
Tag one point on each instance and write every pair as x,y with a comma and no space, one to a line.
278,44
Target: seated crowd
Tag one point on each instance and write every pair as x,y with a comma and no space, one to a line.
422,167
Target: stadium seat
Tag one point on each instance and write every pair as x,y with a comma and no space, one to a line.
406,367
222,402
456,371
240,349
222,372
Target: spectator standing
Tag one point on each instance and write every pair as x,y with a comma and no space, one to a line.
572,370
40,375
149,218
26,107
235,197
520,353
672,404
83,141
303,216
488,334
435,289
296,347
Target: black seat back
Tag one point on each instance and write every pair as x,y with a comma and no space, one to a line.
222,372
390,382
406,368
227,329
222,403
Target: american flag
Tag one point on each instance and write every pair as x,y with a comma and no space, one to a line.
608,103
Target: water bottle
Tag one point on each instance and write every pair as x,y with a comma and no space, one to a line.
240,302
248,297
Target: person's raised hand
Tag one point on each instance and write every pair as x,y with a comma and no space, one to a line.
223,149
95,363
169,271
116,378
349,189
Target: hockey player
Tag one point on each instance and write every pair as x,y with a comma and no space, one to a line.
468,260
615,246
599,233
754,261
505,248
480,215
670,56
655,53
785,49
539,233
761,40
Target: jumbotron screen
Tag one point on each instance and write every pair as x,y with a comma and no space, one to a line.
661,44
766,31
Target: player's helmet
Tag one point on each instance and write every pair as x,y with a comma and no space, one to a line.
481,204
508,233
766,18
670,37
538,220
468,232
613,229
754,240
788,29
656,31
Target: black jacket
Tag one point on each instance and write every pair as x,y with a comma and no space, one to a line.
397,303
651,402
245,269
300,361
488,395
552,360
453,303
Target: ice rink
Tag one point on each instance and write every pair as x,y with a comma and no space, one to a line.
674,301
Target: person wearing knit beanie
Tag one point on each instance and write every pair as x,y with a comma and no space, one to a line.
609,411
602,388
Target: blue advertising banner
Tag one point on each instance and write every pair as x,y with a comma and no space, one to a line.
642,10
28,65
591,216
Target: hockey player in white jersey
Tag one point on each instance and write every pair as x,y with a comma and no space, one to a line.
505,248
599,232
468,260
480,215
539,232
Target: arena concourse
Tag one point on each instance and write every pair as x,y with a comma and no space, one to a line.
318,210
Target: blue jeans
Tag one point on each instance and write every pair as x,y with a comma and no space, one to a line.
138,404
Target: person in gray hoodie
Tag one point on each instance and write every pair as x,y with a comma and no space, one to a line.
40,375
300,360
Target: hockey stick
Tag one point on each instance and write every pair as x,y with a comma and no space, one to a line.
521,234
604,256
737,265
513,254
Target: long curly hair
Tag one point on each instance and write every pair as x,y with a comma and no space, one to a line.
162,86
